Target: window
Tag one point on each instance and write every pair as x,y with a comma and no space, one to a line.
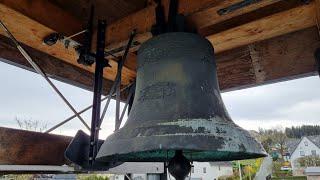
302,153
306,143
204,170
313,152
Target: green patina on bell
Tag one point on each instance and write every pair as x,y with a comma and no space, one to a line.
178,106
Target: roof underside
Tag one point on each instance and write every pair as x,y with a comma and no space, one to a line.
265,42
254,45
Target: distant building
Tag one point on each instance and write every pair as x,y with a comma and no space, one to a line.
200,171
210,170
297,148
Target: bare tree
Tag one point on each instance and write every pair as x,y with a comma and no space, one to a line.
30,124
273,137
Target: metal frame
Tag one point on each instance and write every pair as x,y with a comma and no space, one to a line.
41,72
115,89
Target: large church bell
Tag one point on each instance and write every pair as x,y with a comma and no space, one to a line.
178,115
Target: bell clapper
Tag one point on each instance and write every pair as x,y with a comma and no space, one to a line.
179,166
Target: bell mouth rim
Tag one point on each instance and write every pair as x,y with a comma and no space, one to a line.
235,146
192,155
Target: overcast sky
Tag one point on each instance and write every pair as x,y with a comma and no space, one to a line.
26,95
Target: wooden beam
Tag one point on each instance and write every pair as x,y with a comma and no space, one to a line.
31,32
275,25
278,59
19,147
53,67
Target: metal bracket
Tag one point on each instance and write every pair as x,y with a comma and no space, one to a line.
98,77
160,26
176,22
236,6
52,39
118,75
85,56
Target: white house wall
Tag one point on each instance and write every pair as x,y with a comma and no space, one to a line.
212,172
305,148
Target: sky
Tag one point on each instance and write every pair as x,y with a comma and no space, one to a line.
26,95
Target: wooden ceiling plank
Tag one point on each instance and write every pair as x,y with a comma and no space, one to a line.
275,25
277,59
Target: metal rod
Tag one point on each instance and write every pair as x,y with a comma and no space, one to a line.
82,111
236,6
317,58
98,77
74,35
125,106
118,77
71,117
173,8
40,71
117,116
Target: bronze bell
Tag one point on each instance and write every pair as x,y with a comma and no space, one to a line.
178,107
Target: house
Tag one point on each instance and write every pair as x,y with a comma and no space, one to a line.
199,171
210,170
297,148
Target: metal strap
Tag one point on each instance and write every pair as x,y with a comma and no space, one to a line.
131,93
82,111
118,76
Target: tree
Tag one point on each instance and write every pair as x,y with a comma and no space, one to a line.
304,130
273,138
309,161
280,138
31,125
